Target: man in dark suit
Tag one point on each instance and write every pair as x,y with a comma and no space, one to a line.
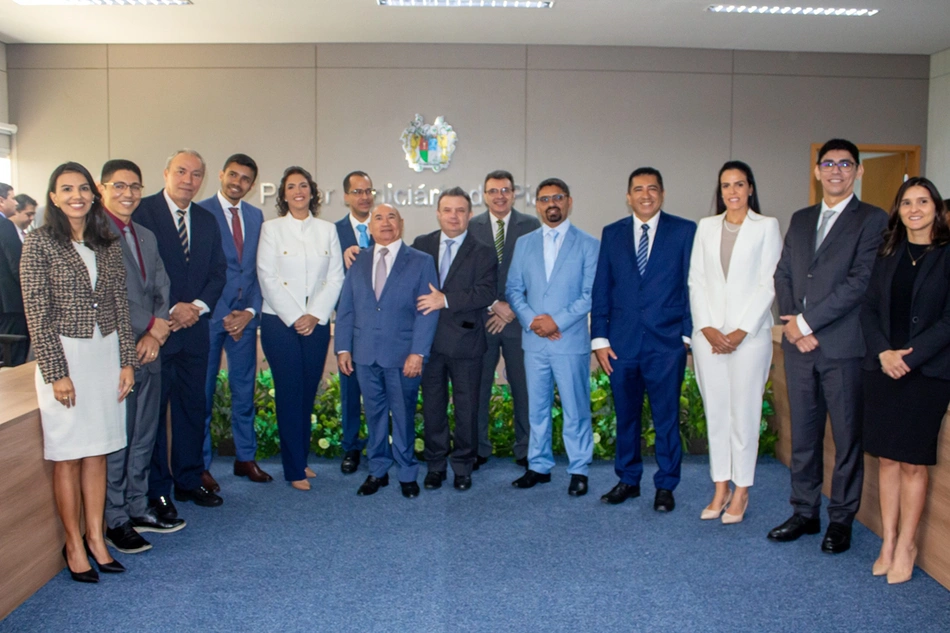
236,316
640,328
353,231
189,242
127,511
500,227
385,339
468,272
12,317
820,283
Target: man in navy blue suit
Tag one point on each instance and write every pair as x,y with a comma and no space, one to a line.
189,242
353,231
385,339
640,326
236,317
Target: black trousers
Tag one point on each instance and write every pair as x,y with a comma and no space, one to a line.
465,375
15,323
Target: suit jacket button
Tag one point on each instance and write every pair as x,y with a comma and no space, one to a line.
377,309
285,283
326,252
285,252
809,275
96,306
914,320
324,283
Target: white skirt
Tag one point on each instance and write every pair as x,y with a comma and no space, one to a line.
96,425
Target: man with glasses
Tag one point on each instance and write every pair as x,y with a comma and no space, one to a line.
500,226
549,288
127,510
819,285
353,231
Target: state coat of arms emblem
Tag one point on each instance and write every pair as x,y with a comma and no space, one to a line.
429,146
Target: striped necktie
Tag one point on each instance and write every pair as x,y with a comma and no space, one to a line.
183,234
643,248
500,240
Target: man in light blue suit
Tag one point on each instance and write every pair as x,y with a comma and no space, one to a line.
236,316
549,288
641,325
383,337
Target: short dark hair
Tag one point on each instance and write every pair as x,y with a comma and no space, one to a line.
23,201
842,144
5,190
96,233
243,160
749,177
315,197
645,171
554,182
896,232
346,179
119,164
500,174
454,192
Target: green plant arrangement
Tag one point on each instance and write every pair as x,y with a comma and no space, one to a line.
327,432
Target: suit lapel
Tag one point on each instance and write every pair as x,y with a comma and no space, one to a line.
167,226
222,217
659,245
401,262
926,264
465,250
841,225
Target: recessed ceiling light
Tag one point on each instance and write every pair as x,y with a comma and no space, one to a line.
778,10
113,3
470,4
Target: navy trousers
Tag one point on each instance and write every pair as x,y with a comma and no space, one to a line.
386,392
296,364
350,413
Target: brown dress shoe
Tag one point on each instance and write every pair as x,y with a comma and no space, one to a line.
252,471
208,482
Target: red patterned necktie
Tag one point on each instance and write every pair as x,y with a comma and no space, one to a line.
236,231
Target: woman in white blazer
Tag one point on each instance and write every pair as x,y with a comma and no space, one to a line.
731,291
300,269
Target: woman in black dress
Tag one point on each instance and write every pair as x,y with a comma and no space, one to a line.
906,323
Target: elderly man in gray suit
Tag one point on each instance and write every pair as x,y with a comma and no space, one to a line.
820,284
500,227
127,511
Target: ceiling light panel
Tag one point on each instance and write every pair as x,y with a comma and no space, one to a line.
104,3
769,9
469,4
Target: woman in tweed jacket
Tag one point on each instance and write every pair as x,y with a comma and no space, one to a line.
77,310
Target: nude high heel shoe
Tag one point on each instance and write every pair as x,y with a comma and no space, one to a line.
708,514
729,519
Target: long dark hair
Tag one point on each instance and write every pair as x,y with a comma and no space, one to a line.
96,233
750,178
315,199
896,232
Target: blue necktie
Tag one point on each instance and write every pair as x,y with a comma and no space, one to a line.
550,256
363,239
446,262
643,248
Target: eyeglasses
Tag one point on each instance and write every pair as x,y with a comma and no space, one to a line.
844,165
363,192
122,187
503,191
558,197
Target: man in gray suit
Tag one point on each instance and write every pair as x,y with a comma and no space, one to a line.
127,511
500,227
820,284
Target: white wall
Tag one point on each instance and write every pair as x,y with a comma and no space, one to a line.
938,129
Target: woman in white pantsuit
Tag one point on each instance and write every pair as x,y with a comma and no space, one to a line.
731,291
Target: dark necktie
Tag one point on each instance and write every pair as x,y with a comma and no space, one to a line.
237,232
183,234
500,240
643,248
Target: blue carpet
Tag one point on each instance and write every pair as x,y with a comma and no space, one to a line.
491,559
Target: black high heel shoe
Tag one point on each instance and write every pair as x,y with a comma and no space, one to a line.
114,567
89,575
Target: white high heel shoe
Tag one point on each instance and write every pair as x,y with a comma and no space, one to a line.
729,519
708,515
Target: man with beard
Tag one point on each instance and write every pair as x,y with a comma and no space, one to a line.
552,303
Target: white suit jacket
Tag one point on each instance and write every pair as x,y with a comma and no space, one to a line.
289,254
744,301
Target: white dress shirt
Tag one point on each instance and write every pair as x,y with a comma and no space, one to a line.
173,209
838,208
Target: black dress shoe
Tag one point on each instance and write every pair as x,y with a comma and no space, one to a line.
795,527
530,479
410,489
462,482
90,575
663,502
523,462
152,522
433,480
125,539
200,496
837,538
164,508
479,462
351,461
372,485
112,567
620,493
578,487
